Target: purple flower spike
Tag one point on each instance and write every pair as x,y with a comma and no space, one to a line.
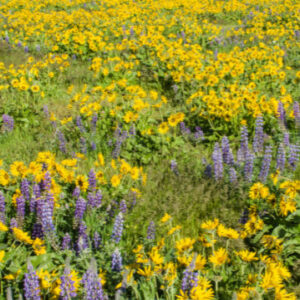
258,141
31,285
92,283
80,209
244,141
217,158
294,156
151,231
280,158
118,228
92,180
266,164
65,245
248,167
226,151
8,123
67,288
116,263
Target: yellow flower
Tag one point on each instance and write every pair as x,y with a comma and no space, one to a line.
22,236
258,190
146,272
2,254
219,257
165,218
38,247
134,173
287,206
35,88
163,128
4,178
100,177
115,180
185,244
101,159
210,225
247,256
82,182
18,168
3,227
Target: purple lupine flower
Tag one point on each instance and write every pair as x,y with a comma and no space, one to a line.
239,156
133,201
37,231
93,146
174,167
151,231
123,207
80,209
46,111
248,167
25,188
266,164
47,181
19,44
116,262
79,124
13,223
132,130
67,288
294,156
199,135
46,218
258,141
286,139
281,112
97,240
175,88
189,279
232,175
184,130
31,284
245,216
208,171
296,112
92,180
20,208
83,148
74,57
118,228
226,151
94,122
218,162
92,284
62,141
76,192
280,158
244,141
91,200
2,208
36,191
26,49
98,198
7,39
66,242
8,123
82,242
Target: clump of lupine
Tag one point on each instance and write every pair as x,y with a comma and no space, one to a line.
256,162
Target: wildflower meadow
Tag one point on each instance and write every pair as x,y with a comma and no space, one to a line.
149,149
